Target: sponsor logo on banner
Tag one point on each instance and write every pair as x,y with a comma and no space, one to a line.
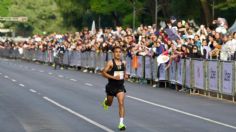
212,75
227,78
198,74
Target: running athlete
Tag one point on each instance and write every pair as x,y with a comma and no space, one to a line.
114,71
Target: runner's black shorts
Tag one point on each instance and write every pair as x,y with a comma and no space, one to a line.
113,90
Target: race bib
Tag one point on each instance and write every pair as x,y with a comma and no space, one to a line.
119,73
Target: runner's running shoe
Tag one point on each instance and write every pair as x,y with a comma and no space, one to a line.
121,127
104,104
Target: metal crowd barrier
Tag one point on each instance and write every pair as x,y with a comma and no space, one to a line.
196,74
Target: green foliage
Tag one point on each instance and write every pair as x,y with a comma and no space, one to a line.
226,4
4,4
71,15
43,15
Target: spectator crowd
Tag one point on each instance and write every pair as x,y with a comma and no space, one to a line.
176,38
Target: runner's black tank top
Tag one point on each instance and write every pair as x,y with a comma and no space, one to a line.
116,68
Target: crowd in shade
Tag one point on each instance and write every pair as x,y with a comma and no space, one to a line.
176,38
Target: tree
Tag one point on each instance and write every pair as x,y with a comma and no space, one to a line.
4,4
43,16
206,10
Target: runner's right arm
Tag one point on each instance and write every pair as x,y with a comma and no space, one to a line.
106,69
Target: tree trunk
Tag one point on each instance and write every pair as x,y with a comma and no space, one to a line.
206,11
116,18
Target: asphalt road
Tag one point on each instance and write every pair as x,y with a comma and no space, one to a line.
36,98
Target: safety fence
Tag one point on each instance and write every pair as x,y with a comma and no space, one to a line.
209,76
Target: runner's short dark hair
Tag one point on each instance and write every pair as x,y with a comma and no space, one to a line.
116,47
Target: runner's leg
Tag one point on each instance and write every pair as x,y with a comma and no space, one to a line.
109,100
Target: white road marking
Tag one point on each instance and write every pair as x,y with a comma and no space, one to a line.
13,80
32,69
6,77
89,84
182,112
22,85
41,71
49,73
72,79
61,76
79,115
33,91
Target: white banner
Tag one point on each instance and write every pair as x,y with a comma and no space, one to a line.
188,73
148,67
172,71
180,68
162,72
128,65
212,75
227,78
140,67
198,74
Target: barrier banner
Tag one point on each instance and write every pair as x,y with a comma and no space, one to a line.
50,56
87,59
91,59
140,67
110,56
172,71
66,58
180,69
128,65
78,58
154,69
227,78
83,63
198,74
188,72
148,68
103,60
212,75
73,58
162,72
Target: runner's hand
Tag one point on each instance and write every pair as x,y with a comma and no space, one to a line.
126,77
117,77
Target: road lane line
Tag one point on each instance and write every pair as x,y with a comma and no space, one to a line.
22,85
33,91
13,80
89,84
6,77
49,73
79,115
182,112
72,79
61,76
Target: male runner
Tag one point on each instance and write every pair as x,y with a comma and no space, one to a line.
114,71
